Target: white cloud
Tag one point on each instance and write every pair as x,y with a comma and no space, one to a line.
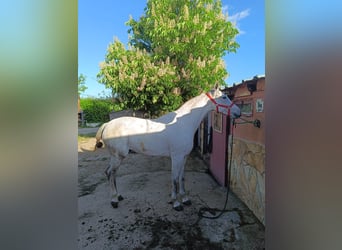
225,9
237,17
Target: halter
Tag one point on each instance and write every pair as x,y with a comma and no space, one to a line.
217,105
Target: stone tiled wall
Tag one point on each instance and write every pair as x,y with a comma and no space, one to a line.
248,175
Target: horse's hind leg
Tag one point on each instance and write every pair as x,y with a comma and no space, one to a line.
108,171
113,167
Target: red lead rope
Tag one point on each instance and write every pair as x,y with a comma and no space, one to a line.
228,107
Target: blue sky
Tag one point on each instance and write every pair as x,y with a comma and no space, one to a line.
99,22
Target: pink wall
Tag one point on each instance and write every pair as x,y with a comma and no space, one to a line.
248,131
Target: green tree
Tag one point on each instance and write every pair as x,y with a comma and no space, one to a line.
175,52
81,84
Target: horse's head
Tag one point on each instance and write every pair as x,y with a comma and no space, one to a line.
223,104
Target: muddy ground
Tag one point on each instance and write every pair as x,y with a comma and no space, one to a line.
145,218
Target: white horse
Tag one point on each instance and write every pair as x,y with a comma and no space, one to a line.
169,135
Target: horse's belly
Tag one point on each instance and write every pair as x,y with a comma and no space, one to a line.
149,147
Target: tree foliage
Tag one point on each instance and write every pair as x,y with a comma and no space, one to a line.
81,84
175,52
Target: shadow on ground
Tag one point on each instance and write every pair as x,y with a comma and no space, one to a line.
145,218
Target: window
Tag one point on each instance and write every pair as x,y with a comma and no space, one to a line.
246,107
259,105
217,123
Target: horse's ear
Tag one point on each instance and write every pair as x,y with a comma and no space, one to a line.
216,86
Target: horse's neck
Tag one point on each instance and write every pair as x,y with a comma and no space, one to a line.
196,102
193,111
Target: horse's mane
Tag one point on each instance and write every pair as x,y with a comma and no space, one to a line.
184,109
188,105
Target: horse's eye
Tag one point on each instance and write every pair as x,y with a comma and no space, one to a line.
224,97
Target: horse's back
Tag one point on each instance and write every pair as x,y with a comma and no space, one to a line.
124,126
141,135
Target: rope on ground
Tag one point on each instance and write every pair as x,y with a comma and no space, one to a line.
212,211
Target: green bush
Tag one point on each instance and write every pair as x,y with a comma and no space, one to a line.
97,110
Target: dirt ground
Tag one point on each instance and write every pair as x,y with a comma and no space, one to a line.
145,218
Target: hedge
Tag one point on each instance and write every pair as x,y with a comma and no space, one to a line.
97,110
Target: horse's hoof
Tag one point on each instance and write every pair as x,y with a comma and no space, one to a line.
114,204
187,202
120,198
178,208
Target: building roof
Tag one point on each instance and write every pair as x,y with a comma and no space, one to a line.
250,83
256,77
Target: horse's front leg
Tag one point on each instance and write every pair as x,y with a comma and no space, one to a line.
174,184
177,167
185,199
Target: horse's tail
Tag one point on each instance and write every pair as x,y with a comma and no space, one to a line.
99,133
